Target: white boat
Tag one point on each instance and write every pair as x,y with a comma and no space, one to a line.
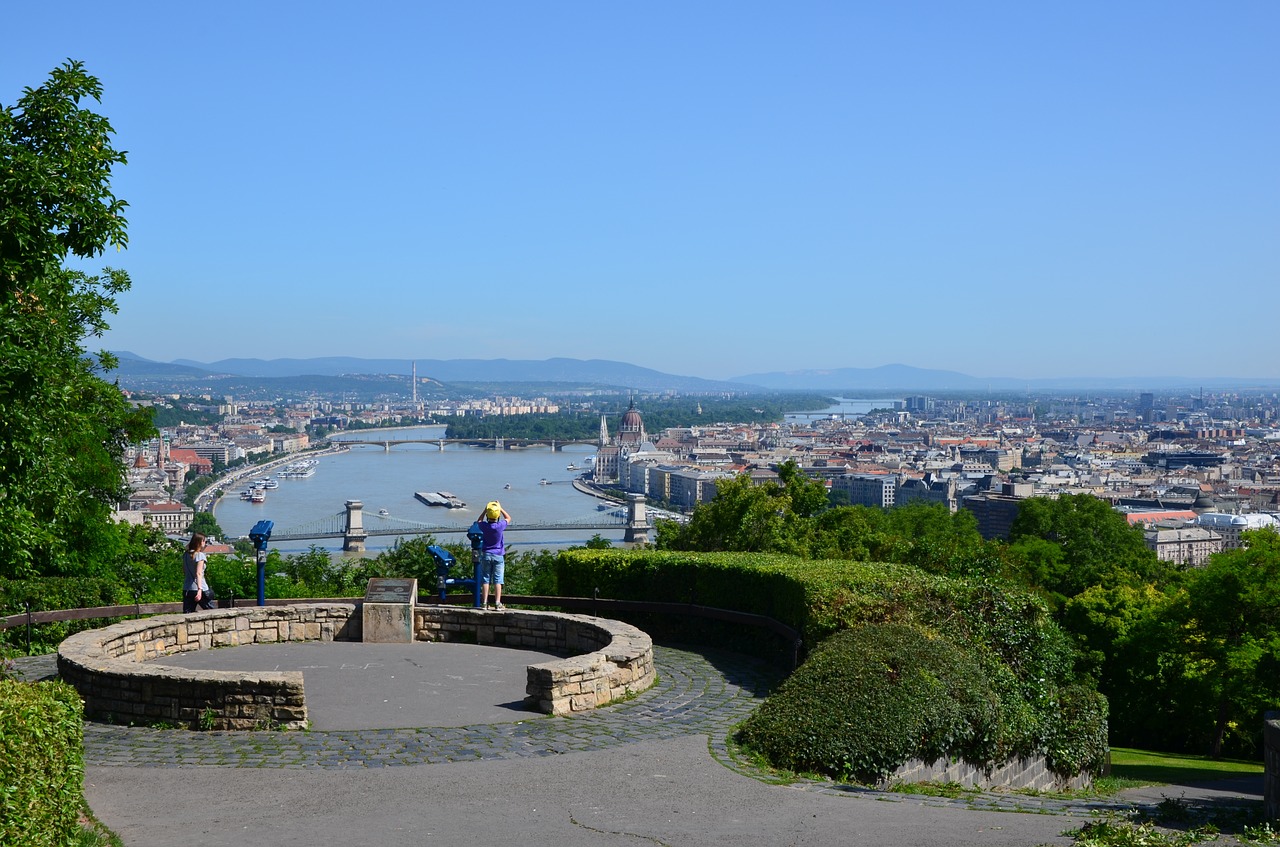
383,512
259,496
270,483
571,467
543,481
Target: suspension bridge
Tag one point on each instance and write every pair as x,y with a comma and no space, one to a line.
353,525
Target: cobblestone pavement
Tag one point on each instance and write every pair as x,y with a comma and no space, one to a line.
698,693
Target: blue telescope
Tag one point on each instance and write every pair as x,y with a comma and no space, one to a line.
260,535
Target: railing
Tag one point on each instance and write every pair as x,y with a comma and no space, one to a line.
597,606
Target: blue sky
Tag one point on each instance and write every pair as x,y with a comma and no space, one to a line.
710,189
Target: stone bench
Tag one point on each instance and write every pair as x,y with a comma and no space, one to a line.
109,666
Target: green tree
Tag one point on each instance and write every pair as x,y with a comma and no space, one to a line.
207,525
65,428
1231,621
1095,542
743,517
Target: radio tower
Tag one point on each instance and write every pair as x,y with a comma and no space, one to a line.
415,385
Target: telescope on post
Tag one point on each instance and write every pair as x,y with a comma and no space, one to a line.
260,535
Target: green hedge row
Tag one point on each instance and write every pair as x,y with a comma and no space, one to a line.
41,763
1005,633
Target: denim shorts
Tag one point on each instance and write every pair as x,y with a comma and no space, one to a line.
493,566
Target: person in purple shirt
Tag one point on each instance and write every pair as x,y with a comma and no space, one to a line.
493,522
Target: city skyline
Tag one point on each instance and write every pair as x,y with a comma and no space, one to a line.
711,191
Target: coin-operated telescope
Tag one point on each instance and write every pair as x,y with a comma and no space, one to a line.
260,535
444,565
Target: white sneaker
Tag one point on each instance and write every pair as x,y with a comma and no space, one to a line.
499,608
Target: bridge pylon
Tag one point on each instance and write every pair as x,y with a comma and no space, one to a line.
353,535
637,521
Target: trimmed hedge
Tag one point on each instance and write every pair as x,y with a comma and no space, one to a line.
41,763
1027,660
869,699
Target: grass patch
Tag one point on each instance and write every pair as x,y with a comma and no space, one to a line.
1133,768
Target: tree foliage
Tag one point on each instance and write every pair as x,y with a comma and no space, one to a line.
65,428
794,516
1076,541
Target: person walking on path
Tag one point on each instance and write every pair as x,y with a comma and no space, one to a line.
493,522
195,590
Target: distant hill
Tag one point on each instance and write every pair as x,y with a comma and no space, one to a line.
594,372
231,374
907,378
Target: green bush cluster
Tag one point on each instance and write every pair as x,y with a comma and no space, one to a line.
41,763
869,699
998,631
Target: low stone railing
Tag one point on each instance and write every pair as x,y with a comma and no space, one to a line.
611,659
109,666
1021,773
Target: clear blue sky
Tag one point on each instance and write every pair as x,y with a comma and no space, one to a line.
711,189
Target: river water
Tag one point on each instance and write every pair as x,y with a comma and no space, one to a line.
387,480
383,479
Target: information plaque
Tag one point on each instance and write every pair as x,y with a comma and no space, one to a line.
388,611
382,590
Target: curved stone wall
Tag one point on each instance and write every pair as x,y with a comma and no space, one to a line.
109,667
604,661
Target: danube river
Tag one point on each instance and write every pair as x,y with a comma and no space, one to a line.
383,479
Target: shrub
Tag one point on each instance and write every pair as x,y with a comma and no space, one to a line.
41,763
1024,657
869,699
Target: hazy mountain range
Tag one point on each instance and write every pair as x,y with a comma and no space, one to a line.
134,369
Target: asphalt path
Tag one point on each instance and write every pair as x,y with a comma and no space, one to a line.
646,793
652,770
390,686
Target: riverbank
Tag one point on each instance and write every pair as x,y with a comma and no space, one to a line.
209,498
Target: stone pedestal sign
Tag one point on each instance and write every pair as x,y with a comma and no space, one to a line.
388,611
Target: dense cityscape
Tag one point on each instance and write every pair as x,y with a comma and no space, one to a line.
1193,470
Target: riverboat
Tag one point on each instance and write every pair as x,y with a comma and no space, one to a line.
439,498
299,470
259,496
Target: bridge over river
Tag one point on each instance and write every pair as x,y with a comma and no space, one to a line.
354,526
492,443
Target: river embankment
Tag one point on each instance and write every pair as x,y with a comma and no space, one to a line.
209,498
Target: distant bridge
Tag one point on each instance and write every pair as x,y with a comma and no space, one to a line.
350,525
555,445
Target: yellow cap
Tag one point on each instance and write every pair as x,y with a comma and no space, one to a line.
493,510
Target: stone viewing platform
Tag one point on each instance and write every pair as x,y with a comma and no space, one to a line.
605,660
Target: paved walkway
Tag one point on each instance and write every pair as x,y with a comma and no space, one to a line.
625,766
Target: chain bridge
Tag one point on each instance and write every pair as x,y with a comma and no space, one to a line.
353,525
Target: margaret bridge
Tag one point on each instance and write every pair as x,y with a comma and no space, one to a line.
354,526
494,443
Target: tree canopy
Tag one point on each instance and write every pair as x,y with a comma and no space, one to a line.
65,428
